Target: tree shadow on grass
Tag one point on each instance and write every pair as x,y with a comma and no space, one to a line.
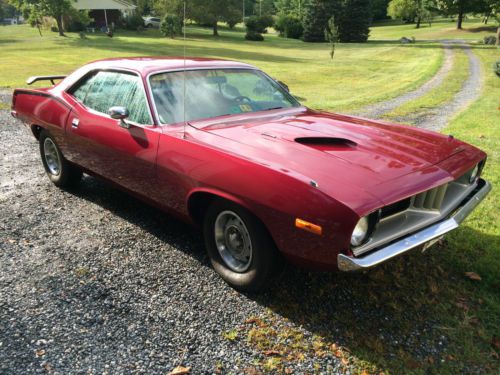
398,316
132,48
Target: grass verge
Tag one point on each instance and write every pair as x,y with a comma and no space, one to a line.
445,92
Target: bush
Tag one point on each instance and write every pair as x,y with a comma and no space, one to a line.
54,29
256,26
252,35
289,26
133,21
78,20
490,40
259,24
170,25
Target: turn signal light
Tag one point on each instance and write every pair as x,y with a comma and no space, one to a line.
310,227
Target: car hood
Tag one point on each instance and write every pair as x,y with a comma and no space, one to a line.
331,148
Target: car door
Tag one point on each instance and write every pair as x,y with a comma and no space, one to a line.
98,143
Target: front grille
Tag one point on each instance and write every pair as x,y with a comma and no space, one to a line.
431,199
416,212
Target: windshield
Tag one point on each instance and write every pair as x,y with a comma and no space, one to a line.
216,92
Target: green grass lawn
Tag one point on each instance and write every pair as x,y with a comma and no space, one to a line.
443,93
382,317
356,76
473,30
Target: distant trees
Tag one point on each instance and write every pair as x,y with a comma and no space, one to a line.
6,10
35,9
410,10
205,12
458,7
315,19
352,20
355,21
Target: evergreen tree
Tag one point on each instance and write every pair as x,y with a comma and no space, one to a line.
355,21
315,21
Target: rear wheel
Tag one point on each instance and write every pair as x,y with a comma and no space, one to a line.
61,172
239,246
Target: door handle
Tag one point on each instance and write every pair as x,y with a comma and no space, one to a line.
75,122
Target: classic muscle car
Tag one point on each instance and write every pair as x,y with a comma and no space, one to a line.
226,147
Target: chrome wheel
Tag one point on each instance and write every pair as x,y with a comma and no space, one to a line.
52,158
233,241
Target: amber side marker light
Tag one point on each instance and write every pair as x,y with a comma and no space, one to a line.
310,227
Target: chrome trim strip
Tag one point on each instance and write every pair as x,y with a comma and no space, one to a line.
348,263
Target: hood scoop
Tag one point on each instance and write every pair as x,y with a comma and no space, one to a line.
326,144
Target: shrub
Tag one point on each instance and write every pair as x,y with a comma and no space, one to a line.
289,26
490,40
252,35
78,20
170,25
496,68
256,26
54,29
133,21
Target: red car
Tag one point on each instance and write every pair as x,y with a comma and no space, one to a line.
223,145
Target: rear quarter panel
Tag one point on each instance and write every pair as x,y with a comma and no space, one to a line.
40,107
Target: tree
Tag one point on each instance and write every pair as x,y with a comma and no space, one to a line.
291,7
410,10
379,9
355,21
458,7
205,12
315,21
6,10
49,8
170,25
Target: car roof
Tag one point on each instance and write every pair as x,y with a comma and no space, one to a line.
152,64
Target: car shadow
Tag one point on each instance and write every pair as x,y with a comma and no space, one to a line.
165,227
396,316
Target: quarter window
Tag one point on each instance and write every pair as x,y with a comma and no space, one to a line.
108,89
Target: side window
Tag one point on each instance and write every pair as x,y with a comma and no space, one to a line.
109,89
81,92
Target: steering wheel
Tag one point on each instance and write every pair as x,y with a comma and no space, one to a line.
242,99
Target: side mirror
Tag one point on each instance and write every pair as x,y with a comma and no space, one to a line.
120,113
284,85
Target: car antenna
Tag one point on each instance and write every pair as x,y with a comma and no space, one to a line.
184,74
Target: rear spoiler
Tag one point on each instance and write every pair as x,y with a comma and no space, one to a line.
34,79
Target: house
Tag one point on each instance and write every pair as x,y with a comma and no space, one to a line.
105,12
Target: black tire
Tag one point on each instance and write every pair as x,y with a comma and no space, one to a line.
65,175
265,261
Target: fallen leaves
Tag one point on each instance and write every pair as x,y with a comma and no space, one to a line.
180,370
473,276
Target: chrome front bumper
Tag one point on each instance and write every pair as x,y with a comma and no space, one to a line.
349,263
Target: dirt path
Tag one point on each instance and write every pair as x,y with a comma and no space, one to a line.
437,118
378,109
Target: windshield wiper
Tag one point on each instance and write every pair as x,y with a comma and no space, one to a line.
270,109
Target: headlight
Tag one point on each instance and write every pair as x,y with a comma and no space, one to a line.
474,174
360,232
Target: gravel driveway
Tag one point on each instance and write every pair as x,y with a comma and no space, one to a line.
93,280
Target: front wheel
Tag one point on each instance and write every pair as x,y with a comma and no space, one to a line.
61,172
239,246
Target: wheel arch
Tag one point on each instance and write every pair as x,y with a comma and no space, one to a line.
36,130
199,200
